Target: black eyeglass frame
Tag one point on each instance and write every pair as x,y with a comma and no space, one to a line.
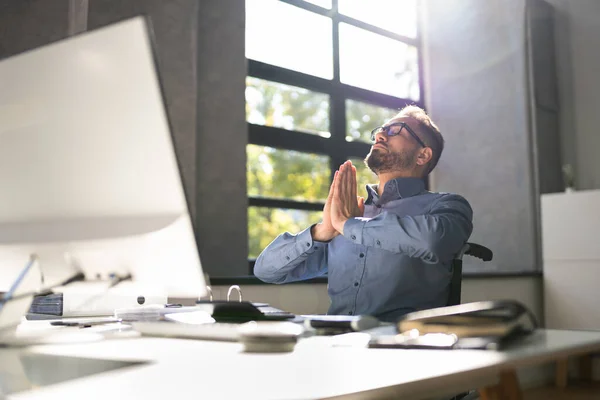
403,125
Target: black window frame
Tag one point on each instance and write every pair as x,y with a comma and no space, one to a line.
336,146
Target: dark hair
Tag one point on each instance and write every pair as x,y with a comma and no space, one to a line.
429,132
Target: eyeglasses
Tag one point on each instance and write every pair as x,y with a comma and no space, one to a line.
394,130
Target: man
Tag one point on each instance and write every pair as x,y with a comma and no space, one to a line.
392,253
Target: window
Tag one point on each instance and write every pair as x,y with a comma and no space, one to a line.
288,107
397,16
321,75
280,34
391,65
287,174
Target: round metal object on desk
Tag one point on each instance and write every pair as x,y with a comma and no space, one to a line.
269,336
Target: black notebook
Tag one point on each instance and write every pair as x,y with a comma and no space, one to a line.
242,311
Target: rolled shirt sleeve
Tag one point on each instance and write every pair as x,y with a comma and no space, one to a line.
292,257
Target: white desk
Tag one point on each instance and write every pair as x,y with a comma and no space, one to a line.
178,368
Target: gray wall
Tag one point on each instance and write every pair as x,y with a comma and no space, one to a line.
578,49
221,195
28,24
477,91
544,104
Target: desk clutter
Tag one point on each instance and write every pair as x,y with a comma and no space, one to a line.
490,325
260,327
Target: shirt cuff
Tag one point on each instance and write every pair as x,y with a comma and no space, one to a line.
353,229
305,242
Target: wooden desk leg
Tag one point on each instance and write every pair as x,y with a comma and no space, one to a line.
507,389
490,393
562,372
585,368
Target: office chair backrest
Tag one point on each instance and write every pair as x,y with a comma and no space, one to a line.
470,249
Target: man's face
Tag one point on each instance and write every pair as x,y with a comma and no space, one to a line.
394,153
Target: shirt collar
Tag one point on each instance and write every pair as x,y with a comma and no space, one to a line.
395,189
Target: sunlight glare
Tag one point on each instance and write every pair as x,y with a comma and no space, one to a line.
290,37
398,16
378,63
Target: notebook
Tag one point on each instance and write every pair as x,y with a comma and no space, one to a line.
485,318
480,325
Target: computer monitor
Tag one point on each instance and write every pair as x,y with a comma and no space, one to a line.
89,179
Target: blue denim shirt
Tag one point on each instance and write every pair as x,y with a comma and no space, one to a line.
393,260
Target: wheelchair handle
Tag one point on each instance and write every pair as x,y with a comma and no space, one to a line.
479,251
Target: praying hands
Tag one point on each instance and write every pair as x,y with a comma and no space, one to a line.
342,204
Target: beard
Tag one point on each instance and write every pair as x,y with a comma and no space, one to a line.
380,161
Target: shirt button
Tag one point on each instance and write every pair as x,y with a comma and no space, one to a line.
307,244
353,237
355,283
287,257
349,312
361,255
378,243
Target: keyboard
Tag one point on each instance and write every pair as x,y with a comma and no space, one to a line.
210,331
269,332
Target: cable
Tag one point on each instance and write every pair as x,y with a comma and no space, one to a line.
116,279
77,277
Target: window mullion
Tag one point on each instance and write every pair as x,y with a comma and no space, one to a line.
338,106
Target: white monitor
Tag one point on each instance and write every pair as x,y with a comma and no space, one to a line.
89,178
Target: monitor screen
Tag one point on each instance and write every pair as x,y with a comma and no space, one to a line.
89,178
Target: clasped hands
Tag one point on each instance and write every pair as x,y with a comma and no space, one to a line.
341,205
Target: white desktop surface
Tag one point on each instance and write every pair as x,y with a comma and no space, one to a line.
179,368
